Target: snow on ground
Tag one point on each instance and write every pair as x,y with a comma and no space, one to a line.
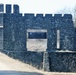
37,44
9,66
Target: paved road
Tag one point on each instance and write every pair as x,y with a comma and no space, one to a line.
17,73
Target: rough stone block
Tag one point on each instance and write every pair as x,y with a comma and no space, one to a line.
16,9
8,8
1,8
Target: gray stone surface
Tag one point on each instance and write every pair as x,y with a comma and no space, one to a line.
1,26
1,8
28,22
46,66
1,38
18,25
16,9
8,8
62,61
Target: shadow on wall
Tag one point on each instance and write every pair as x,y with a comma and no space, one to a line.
18,73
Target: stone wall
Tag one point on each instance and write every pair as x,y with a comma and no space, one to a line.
16,26
62,61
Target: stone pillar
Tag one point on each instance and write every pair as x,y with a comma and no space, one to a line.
8,8
1,25
16,9
51,40
46,66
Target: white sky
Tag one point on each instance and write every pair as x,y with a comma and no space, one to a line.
41,6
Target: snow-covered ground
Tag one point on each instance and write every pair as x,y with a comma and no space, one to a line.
37,44
9,66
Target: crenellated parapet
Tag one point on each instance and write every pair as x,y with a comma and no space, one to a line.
53,21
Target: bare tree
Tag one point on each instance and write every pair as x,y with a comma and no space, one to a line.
69,11
74,15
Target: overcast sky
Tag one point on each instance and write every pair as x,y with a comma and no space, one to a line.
41,6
